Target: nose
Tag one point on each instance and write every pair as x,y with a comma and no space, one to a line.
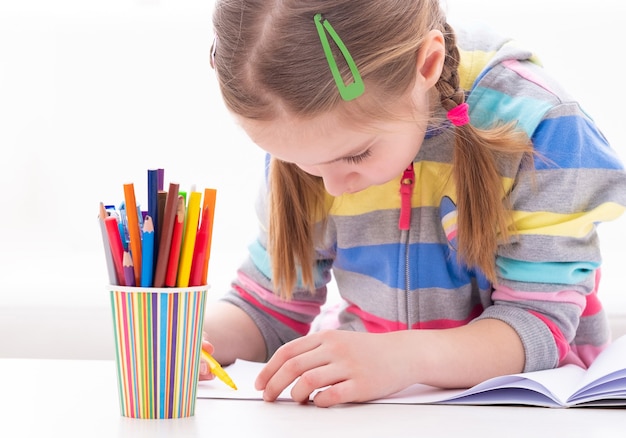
337,184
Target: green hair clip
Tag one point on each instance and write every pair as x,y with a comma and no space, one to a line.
349,91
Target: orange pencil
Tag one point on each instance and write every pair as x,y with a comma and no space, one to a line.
177,238
200,250
117,249
209,201
134,232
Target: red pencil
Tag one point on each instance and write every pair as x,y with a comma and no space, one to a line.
199,250
117,249
177,239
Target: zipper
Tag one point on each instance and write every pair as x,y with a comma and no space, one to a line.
404,224
406,192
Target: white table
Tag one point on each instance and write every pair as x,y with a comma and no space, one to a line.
78,398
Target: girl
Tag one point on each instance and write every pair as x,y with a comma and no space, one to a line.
449,185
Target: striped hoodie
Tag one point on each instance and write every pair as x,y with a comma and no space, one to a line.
396,268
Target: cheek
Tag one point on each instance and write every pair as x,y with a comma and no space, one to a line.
311,170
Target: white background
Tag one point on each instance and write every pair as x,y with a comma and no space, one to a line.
93,93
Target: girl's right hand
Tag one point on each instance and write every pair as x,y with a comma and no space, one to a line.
205,371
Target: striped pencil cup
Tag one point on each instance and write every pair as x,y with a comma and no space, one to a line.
158,338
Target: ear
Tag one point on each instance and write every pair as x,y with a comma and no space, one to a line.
430,59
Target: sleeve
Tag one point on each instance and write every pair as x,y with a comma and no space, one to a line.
549,274
278,320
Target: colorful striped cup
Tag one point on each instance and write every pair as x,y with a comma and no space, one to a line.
158,338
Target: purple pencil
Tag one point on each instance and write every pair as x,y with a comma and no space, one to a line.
129,269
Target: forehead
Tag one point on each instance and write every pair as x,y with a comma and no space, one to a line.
308,141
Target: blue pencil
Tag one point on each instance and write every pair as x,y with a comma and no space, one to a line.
147,256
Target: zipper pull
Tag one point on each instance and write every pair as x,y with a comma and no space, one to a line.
406,191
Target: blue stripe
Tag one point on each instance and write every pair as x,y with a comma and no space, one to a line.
572,142
432,265
546,272
261,259
489,107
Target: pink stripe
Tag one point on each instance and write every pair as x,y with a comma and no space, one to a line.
129,379
375,324
518,68
120,329
311,309
297,326
504,293
583,355
561,343
593,305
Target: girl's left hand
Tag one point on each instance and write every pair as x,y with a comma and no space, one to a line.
205,371
349,366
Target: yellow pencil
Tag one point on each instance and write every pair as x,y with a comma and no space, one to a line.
217,370
189,239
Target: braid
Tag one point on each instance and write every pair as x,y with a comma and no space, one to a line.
448,85
483,213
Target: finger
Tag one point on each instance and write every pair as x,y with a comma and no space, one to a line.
282,355
340,392
207,346
292,370
314,380
205,372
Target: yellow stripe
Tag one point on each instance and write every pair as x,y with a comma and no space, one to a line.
572,225
431,184
448,221
427,192
472,64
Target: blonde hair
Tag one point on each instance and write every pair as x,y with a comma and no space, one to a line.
269,61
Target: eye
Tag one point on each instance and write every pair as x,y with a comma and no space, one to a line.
356,159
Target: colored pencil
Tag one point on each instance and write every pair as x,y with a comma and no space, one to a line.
177,238
165,240
210,196
189,239
147,255
117,249
108,255
153,205
200,250
129,270
161,200
133,229
161,179
123,224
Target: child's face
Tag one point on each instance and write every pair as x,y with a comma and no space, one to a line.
347,158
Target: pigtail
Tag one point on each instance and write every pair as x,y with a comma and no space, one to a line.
296,203
484,213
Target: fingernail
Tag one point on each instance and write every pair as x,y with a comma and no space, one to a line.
203,368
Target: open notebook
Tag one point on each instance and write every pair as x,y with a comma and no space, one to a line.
603,384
